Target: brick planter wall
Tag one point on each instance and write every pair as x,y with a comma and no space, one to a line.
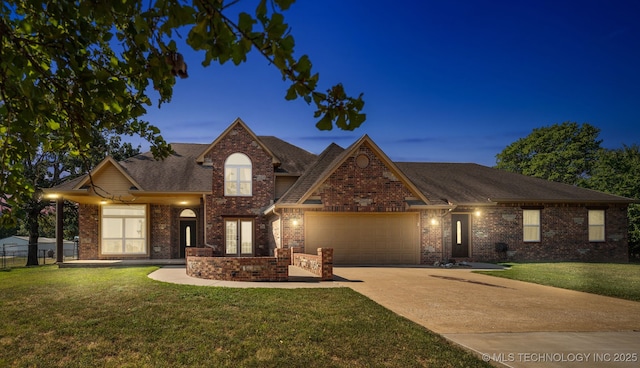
321,264
238,268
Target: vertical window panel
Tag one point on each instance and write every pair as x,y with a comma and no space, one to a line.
596,226
531,225
231,237
459,232
246,237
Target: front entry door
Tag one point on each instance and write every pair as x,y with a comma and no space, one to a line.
460,236
187,235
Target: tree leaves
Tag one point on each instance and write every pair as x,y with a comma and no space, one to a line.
68,68
561,152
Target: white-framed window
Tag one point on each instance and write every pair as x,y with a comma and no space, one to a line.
238,237
596,226
237,175
124,229
531,225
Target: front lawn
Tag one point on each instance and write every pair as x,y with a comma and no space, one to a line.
610,279
120,318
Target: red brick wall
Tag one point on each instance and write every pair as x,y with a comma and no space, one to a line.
88,223
431,225
371,189
218,207
161,242
320,264
240,268
564,235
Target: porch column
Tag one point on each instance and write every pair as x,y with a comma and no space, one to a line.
59,230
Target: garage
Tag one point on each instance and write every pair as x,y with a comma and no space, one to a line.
364,239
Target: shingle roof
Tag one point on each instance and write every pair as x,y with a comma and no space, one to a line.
466,183
324,162
180,172
441,183
293,160
177,173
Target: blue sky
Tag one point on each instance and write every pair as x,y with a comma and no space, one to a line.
443,81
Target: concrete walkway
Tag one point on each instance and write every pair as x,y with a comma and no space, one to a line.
507,322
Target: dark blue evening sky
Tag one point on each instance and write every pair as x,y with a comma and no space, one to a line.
443,81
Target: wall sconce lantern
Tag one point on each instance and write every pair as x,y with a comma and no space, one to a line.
434,221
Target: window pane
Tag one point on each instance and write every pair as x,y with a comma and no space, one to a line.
596,225
247,237
245,189
596,233
112,246
134,246
531,233
245,173
596,217
458,232
134,228
231,188
231,174
187,236
231,237
122,210
187,213
238,159
112,228
531,217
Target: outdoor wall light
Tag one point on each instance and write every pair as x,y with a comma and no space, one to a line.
295,222
478,213
434,221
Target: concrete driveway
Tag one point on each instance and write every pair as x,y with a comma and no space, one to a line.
508,322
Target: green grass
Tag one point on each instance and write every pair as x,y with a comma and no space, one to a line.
120,318
610,279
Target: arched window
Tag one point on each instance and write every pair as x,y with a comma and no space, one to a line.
187,213
237,175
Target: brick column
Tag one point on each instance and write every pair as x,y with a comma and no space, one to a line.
283,260
326,260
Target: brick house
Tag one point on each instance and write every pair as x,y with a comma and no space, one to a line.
245,195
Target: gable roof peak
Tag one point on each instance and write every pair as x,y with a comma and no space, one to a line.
243,125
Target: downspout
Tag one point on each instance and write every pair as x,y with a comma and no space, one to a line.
272,208
204,223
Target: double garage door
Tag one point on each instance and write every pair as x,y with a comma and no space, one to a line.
364,239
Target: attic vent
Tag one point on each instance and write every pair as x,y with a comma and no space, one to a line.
207,162
362,161
133,187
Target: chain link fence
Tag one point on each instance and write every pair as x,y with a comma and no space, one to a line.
15,255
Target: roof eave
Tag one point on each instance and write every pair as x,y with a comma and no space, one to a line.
588,201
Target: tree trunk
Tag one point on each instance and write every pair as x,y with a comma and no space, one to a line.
34,230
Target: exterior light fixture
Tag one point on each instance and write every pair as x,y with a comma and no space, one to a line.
295,222
478,213
434,221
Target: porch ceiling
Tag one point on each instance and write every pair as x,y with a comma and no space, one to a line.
87,197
